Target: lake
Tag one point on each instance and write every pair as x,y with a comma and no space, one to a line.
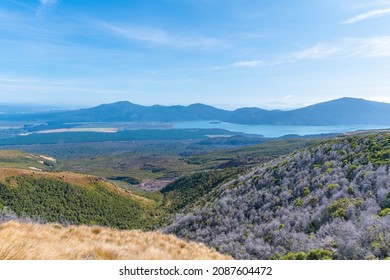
276,130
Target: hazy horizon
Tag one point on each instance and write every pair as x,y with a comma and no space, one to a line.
271,55
218,105
229,108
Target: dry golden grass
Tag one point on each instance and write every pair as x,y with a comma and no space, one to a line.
30,241
81,180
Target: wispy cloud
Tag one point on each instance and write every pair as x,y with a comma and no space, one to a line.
159,36
317,52
368,15
239,64
11,84
45,5
373,47
249,63
48,3
139,33
370,47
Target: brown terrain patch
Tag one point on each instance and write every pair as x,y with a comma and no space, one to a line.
30,241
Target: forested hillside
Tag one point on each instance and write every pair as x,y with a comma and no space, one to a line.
72,198
329,201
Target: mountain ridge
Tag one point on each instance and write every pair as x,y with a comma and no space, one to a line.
346,111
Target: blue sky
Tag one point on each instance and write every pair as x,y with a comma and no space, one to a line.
268,53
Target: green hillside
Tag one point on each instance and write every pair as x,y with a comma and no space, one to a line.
75,199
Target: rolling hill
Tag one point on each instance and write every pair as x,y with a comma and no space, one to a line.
344,111
328,201
73,198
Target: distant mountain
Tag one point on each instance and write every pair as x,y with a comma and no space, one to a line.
340,111
125,111
347,111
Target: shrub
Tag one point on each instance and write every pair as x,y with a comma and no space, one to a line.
350,190
298,202
295,256
338,209
319,254
384,212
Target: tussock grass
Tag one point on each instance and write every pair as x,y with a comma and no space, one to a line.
32,241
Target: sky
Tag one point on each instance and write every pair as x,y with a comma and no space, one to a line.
272,54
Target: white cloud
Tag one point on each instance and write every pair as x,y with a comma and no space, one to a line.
250,63
369,47
139,33
373,47
368,15
159,36
317,52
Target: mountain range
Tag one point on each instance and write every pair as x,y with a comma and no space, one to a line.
346,111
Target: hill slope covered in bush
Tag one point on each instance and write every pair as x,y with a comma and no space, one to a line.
73,198
331,200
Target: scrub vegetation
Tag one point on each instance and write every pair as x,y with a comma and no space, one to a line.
330,201
287,199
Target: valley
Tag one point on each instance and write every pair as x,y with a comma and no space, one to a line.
245,196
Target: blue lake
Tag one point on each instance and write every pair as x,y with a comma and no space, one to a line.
276,130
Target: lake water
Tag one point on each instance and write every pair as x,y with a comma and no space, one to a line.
276,130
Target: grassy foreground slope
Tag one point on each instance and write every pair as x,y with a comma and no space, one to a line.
75,198
21,241
331,200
